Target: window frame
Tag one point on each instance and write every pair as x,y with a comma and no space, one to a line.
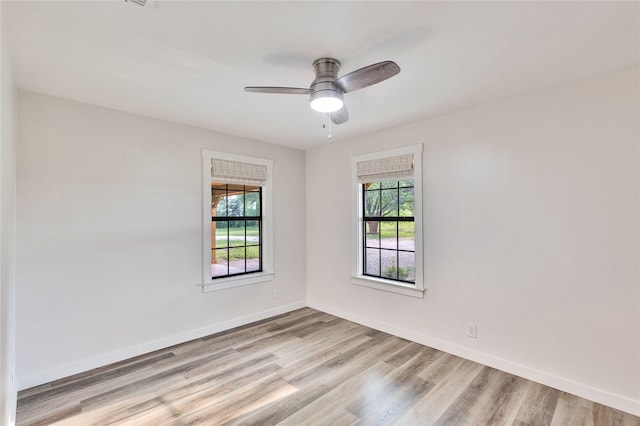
357,276
397,219
208,283
227,220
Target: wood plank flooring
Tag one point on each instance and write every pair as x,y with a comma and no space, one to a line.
304,368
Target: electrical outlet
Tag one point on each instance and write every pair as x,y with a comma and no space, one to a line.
472,331
276,294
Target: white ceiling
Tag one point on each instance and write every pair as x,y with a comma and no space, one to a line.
189,61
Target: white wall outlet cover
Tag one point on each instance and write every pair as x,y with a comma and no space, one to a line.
472,330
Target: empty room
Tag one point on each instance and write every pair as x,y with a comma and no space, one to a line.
320,213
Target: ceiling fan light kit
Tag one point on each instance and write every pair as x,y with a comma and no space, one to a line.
326,101
327,90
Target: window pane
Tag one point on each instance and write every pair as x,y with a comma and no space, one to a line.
372,203
235,204
407,266
219,234
372,262
253,258
393,184
372,228
236,260
252,204
389,266
219,262
405,183
253,232
236,233
389,202
219,202
375,185
388,235
406,236
406,202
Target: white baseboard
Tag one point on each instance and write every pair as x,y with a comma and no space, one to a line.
593,394
143,348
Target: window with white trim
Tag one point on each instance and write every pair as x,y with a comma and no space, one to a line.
237,220
387,191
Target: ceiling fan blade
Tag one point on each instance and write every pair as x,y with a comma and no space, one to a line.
281,90
367,76
340,116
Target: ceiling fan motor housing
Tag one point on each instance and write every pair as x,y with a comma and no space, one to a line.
326,70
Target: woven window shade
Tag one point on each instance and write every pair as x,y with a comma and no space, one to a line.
226,171
386,169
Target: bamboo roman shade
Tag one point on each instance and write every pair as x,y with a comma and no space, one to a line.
226,171
385,169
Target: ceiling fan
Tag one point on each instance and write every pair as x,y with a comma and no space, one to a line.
327,89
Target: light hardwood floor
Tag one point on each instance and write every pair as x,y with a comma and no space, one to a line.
304,368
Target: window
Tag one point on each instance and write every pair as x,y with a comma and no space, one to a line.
237,220
389,246
236,227
388,218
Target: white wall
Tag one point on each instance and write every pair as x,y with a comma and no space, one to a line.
531,231
109,237
7,233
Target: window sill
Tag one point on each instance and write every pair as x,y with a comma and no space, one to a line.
239,281
389,286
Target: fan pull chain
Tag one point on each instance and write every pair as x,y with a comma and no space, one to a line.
324,124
